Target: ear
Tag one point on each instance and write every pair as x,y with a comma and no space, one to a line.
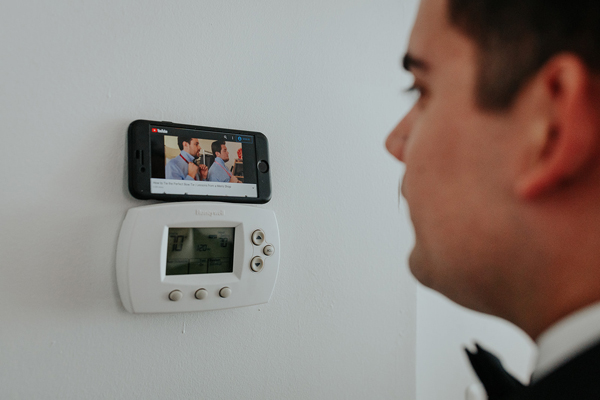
568,141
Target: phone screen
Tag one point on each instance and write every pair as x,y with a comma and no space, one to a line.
201,162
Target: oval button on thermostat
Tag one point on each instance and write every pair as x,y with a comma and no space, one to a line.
175,295
201,294
258,237
225,292
257,264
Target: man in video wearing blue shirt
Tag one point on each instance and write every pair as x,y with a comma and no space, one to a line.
218,171
183,166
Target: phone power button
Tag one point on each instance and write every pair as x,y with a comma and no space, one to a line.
263,166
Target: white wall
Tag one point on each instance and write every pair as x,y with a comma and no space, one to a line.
321,80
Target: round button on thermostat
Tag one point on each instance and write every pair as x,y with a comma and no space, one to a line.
269,250
175,295
225,292
258,237
201,294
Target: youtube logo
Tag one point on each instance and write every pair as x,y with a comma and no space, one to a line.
154,130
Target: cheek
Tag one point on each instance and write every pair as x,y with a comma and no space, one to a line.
455,178
430,157
441,183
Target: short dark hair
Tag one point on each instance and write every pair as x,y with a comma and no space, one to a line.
516,38
216,146
181,139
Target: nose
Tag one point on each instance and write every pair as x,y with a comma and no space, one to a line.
396,140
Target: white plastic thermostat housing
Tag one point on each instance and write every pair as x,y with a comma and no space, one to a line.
196,256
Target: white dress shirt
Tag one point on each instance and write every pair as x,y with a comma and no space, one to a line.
567,338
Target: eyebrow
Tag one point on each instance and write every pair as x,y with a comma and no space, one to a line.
409,63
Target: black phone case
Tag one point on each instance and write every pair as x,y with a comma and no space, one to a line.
140,158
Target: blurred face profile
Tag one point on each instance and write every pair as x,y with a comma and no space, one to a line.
224,154
194,148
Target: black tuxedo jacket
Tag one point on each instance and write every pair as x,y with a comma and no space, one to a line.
577,379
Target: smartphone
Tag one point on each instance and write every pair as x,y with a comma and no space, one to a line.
177,162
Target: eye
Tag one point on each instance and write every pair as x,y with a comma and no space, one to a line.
414,89
419,92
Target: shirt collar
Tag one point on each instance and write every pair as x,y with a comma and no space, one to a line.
567,338
220,160
188,157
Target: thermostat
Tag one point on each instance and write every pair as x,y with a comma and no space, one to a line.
196,256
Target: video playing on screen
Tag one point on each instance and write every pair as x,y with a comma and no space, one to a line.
186,161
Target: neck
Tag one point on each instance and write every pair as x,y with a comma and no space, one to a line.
553,288
557,307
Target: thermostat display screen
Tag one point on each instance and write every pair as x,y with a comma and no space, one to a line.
200,251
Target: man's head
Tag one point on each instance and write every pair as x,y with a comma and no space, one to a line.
487,168
220,150
191,146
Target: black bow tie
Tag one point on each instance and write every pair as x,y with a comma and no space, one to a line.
498,383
